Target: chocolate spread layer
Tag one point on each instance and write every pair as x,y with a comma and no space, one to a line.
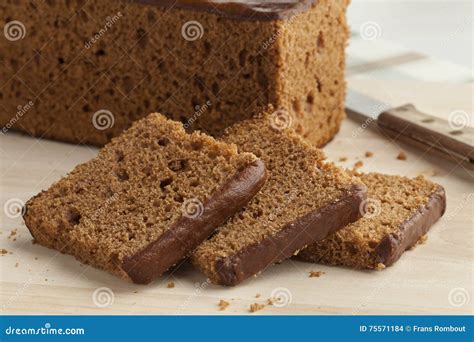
239,9
188,232
314,226
392,246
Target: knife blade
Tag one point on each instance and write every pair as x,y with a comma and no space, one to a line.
364,107
406,123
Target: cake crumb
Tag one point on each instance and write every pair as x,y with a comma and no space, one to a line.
369,154
17,264
258,295
170,285
429,173
3,251
223,305
358,164
421,241
380,266
270,301
12,234
402,156
316,274
256,307
343,159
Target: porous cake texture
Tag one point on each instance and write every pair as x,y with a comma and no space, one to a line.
304,200
397,213
83,71
146,201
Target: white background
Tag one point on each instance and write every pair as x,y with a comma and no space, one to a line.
439,28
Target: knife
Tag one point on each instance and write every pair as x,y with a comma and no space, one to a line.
405,123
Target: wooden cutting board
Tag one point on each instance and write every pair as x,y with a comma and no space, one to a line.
434,278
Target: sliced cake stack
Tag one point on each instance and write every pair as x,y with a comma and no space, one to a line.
148,199
157,194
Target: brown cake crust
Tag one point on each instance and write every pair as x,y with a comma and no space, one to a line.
314,226
187,233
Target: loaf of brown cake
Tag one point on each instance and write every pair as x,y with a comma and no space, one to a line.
397,213
146,201
303,200
83,71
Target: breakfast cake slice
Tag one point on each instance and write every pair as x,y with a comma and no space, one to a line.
398,212
303,200
146,201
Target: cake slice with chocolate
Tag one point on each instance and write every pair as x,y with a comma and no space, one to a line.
303,200
397,213
146,201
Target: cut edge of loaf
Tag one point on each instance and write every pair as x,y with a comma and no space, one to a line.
250,71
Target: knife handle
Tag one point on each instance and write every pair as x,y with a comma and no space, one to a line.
436,135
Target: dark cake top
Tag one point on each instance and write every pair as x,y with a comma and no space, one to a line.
240,9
